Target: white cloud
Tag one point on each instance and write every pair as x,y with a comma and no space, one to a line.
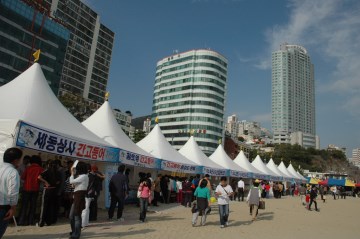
331,28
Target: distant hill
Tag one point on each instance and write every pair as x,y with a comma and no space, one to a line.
312,159
138,122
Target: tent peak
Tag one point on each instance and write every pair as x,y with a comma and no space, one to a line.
107,95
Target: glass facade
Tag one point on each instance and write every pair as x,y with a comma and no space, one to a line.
24,30
190,96
88,54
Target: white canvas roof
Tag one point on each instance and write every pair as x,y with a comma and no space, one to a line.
192,152
272,166
29,98
259,164
156,144
104,125
292,171
302,177
284,170
220,157
243,162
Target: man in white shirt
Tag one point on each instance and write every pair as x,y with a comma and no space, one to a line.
223,192
241,187
9,186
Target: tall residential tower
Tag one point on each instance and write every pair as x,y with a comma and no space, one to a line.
88,54
293,96
189,98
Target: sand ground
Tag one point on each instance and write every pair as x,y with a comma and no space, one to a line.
282,218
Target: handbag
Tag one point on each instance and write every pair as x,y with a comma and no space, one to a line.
261,204
138,194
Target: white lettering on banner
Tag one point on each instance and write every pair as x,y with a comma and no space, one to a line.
238,174
214,172
177,167
130,158
35,138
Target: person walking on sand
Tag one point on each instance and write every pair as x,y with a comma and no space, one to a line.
333,191
202,194
253,199
224,192
313,195
302,193
145,197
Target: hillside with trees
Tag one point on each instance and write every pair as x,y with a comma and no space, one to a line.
311,159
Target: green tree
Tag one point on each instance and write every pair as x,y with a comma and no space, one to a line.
77,106
139,135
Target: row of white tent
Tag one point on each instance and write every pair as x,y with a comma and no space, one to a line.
32,117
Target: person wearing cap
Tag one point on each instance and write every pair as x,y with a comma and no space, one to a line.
253,199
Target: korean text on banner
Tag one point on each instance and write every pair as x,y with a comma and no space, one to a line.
38,139
177,167
135,159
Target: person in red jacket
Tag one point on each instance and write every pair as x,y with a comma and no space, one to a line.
267,189
30,191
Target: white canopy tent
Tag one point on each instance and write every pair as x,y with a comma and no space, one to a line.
29,99
302,177
156,144
220,157
259,164
104,125
192,152
292,171
284,170
272,166
243,162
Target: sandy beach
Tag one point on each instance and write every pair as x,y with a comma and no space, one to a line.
282,218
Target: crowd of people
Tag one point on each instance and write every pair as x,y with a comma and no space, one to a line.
76,187
69,191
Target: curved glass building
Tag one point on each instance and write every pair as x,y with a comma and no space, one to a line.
190,96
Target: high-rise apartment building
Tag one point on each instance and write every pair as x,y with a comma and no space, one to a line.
123,119
293,95
24,28
88,54
189,98
232,126
147,126
75,47
355,159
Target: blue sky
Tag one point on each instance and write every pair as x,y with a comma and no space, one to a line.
245,32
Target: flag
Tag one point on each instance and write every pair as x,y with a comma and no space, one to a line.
36,55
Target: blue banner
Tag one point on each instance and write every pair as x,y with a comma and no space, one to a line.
134,159
43,140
